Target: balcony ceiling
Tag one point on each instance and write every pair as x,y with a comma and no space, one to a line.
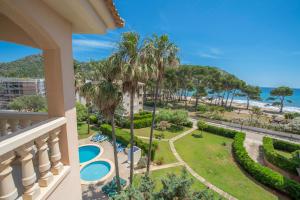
88,16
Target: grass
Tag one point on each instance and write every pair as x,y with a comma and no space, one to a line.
157,175
284,153
145,132
163,151
82,129
212,159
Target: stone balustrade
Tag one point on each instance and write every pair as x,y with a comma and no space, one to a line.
30,159
11,122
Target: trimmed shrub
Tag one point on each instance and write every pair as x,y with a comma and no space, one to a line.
175,128
263,174
285,146
178,117
142,115
278,160
219,131
124,137
260,173
139,123
93,119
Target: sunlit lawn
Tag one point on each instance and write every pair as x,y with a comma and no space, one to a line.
145,132
82,129
212,159
284,153
163,151
157,175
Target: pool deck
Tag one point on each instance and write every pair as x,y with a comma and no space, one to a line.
90,192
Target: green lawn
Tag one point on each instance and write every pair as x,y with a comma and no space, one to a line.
211,158
145,132
82,129
164,151
284,153
159,174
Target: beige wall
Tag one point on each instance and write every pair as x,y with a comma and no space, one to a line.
37,25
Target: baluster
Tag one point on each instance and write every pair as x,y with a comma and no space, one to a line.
13,123
8,190
55,157
31,188
3,127
44,163
24,123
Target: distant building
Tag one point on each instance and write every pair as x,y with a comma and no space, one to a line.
137,101
11,88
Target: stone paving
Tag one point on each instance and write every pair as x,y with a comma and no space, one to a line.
91,192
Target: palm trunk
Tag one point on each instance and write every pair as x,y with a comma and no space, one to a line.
115,152
131,137
233,94
152,128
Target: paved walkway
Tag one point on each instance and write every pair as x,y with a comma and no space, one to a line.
158,167
193,173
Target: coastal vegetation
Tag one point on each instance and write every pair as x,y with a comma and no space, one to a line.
29,103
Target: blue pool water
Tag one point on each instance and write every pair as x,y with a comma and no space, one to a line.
88,152
95,170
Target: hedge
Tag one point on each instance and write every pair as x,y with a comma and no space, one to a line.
124,137
220,131
139,123
285,146
278,160
261,173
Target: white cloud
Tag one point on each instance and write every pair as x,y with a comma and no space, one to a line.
212,53
90,45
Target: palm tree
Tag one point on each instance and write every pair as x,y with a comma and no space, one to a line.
161,53
106,95
134,70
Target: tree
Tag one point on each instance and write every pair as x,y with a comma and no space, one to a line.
134,70
280,94
29,103
81,112
106,95
161,53
251,93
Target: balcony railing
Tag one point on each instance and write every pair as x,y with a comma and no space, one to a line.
30,157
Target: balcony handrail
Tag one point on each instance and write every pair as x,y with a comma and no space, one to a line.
17,139
23,115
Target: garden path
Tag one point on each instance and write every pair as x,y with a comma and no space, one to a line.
193,173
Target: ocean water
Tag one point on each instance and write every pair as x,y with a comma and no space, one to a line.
294,106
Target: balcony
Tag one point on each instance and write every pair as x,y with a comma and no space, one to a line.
30,157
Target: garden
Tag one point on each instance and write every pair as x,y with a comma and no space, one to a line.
211,157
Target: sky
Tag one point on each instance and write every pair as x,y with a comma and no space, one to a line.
256,40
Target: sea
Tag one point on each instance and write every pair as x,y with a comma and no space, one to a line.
293,106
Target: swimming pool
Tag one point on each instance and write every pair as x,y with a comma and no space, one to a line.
96,171
89,152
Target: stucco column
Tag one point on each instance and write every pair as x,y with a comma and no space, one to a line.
8,190
57,166
25,123
46,176
3,128
13,123
31,188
